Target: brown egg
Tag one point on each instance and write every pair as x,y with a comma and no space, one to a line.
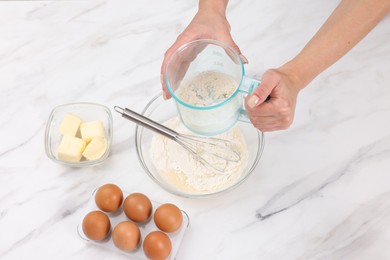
137,207
109,197
168,217
126,236
96,225
157,245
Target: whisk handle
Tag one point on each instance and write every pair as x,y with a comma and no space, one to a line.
146,122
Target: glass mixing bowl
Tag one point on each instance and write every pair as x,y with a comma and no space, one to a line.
160,110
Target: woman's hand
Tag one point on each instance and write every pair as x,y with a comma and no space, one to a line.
207,23
347,25
271,106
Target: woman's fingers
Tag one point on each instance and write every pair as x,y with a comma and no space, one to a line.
179,41
277,113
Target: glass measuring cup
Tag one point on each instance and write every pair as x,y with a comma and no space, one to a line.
207,80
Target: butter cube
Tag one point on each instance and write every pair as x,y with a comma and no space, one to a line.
92,129
71,148
70,125
96,148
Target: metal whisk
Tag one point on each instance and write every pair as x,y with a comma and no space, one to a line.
214,153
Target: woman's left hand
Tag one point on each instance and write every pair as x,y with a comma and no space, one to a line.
271,106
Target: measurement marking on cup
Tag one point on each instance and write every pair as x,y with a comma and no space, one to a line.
218,63
217,53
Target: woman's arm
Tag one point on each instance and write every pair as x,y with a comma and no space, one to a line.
346,26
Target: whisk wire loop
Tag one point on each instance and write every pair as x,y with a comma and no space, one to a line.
213,153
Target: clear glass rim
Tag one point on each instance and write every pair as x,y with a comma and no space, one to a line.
209,41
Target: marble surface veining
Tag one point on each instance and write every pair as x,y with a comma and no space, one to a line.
321,190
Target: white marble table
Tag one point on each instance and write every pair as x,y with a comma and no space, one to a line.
321,190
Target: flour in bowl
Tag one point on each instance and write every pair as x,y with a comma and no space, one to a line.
180,169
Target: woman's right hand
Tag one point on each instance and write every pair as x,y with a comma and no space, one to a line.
207,23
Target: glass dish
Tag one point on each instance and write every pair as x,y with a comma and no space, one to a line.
87,112
160,110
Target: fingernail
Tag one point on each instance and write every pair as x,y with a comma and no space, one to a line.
165,97
244,60
253,101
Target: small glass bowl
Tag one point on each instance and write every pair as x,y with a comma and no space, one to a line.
87,112
160,110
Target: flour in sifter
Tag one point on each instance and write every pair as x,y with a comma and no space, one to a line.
207,88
